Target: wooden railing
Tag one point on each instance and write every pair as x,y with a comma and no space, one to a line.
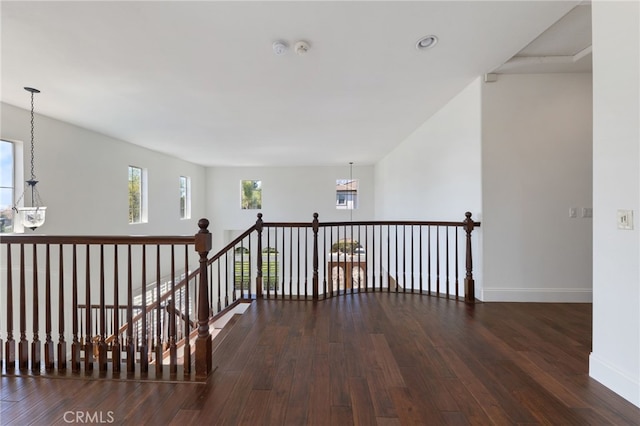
314,260
88,291
104,297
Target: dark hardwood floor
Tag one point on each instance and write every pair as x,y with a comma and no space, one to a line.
364,359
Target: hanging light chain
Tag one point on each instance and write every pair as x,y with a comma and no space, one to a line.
33,176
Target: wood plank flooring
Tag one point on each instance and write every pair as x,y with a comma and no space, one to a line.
363,359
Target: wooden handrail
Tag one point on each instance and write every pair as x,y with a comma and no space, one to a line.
97,239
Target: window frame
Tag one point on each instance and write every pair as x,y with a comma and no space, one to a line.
185,194
143,215
347,199
17,154
254,202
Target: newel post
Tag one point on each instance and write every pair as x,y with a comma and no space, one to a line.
259,260
204,361
315,227
469,284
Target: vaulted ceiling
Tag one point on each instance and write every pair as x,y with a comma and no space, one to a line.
200,81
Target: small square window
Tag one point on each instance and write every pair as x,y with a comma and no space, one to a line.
347,194
251,194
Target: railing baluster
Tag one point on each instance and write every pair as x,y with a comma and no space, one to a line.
75,345
457,269
447,260
372,270
412,262
131,345
62,345
290,262
259,277
158,323
48,343
219,305
325,283
116,356
227,286
144,345
102,345
35,344
23,345
173,351
380,257
173,354
429,257
420,255
298,264
315,227
332,285
349,276
404,258
249,273
88,341
281,265
10,345
186,357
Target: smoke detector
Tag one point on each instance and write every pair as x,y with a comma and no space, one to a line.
280,47
301,47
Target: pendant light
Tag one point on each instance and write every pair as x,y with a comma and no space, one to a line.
31,216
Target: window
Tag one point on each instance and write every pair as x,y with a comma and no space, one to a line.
185,197
242,268
270,269
7,185
251,194
137,195
347,194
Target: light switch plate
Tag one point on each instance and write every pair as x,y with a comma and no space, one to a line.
625,219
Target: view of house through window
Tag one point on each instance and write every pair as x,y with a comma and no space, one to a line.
137,205
251,194
185,197
347,194
7,187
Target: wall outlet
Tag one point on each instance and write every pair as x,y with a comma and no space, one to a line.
625,219
573,212
587,212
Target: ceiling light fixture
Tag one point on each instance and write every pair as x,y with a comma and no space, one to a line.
301,47
280,47
33,216
426,42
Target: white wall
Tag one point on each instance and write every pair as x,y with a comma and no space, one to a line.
290,194
615,360
435,173
536,165
83,179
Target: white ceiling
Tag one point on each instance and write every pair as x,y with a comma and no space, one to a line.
199,80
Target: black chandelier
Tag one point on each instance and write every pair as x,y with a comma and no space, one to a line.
31,216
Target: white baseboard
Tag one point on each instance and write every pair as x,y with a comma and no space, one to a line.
623,384
550,295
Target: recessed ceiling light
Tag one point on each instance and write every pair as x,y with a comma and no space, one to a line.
426,42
